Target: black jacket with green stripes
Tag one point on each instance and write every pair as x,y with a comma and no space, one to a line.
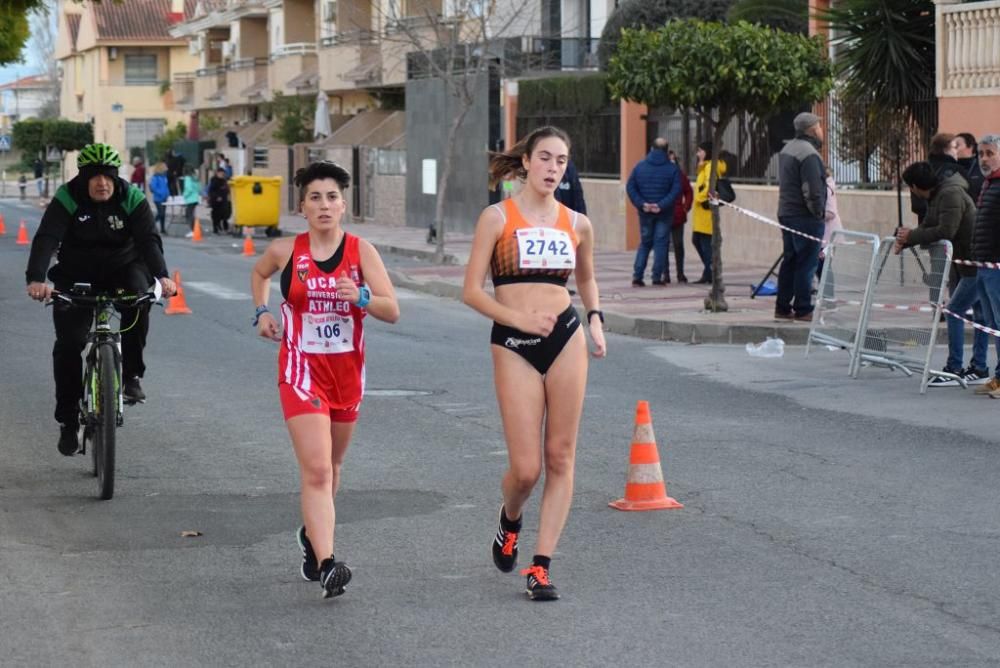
95,239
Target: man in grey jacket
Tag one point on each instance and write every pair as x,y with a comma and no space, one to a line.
801,206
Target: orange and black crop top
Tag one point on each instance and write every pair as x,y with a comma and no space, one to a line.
525,253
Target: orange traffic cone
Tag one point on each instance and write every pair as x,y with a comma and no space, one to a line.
196,237
644,486
3,229
177,305
248,249
22,235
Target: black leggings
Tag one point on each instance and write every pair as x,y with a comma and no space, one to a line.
72,325
539,351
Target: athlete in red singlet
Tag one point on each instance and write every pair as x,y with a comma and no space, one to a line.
330,281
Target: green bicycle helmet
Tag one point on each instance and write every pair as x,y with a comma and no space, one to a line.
98,155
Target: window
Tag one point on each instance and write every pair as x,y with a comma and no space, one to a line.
138,131
140,70
260,156
392,162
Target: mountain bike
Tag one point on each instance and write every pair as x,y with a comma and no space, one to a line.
102,406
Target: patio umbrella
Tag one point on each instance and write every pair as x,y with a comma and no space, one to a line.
321,124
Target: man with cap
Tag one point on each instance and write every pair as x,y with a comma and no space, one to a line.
105,235
801,206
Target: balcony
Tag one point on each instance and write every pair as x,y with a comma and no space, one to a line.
349,61
288,62
242,75
968,55
518,55
210,87
182,87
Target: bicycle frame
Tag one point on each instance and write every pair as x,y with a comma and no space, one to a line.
101,333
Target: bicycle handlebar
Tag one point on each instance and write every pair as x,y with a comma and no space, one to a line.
118,301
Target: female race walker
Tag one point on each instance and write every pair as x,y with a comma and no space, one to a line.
531,244
330,280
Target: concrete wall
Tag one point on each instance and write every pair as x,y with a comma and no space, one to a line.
429,107
745,241
979,115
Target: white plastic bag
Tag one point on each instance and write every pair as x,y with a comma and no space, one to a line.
770,348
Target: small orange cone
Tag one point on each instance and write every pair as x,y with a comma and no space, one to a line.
248,249
3,228
177,305
197,231
644,486
22,235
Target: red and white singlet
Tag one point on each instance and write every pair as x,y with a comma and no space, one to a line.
322,357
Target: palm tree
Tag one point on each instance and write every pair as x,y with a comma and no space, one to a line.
884,50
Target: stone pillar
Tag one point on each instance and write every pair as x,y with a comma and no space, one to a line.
633,149
817,27
509,113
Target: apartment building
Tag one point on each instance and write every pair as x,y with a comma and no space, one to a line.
24,98
117,60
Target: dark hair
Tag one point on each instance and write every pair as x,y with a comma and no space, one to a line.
969,139
506,163
706,146
920,175
940,143
317,171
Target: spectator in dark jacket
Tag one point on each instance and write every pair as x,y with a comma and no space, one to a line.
965,143
653,187
986,246
951,216
681,207
218,201
802,195
943,157
570,191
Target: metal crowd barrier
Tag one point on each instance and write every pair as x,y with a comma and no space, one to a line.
844,288
903,310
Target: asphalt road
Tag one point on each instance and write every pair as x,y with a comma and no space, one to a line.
827,522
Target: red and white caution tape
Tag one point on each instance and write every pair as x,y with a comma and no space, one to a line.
763,219
982,328
982,265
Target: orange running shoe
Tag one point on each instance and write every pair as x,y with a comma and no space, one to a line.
505,546
539,586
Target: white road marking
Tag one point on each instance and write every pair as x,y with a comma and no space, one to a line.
218,291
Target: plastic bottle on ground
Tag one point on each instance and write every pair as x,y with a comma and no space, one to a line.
770,348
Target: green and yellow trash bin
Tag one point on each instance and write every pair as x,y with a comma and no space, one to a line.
256,203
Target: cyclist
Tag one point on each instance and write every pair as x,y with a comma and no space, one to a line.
530,244
330,281
105,235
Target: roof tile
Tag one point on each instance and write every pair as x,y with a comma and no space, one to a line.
135,20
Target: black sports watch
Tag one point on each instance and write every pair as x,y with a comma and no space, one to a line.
599,314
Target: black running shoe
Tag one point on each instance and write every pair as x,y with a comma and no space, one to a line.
505,546
310,569
333,577
539,587
69,443
132,391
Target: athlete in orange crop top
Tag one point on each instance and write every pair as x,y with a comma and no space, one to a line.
530,245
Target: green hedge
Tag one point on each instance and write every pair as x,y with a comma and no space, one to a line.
564,95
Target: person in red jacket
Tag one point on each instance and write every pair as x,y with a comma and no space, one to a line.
681,207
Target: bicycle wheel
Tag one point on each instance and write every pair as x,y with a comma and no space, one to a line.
106,412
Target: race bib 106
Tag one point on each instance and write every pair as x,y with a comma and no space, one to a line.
327,333
545,248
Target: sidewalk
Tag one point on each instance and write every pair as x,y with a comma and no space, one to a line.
674,312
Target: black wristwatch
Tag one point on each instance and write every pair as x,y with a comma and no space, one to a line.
591,314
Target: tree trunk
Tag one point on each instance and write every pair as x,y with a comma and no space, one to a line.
444,177
716,300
